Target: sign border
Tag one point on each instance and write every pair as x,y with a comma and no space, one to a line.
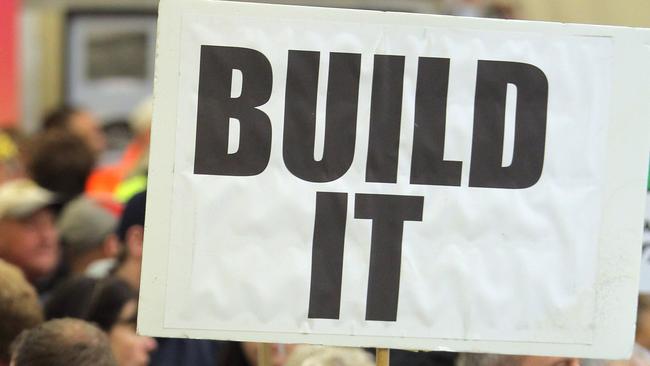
626,174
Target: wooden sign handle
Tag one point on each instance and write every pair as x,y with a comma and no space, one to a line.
383,357
264,354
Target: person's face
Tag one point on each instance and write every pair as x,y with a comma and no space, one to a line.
129,348
548,361
31,243
86,126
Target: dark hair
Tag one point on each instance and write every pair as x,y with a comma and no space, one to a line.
108,298
60,161
133,214
59,118
63,342
232,354
71,298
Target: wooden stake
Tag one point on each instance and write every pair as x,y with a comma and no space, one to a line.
383,357
264,354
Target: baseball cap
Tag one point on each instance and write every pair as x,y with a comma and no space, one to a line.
84,224
22,197
133,214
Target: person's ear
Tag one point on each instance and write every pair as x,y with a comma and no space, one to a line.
134,239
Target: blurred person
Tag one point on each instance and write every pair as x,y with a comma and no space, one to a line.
60,162
304,355
71,298
483,359
81,123
642,336
11,166
501,9
479,8
28,236
130,231
113,307
109,303
130,172
135,180
62,342
549,361
19,307
87,230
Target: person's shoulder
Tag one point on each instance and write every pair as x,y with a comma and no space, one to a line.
178,351
100,268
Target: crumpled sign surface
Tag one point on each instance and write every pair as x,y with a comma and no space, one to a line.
276,246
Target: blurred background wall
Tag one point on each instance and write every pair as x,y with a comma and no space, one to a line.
634,13
40,69
43,47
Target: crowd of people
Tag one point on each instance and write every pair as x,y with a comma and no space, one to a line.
71,245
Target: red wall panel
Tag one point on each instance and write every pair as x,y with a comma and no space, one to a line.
8,63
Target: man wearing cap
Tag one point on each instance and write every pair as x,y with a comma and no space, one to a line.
130,232
28,236
87,227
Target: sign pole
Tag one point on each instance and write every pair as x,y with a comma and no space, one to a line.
264,354
383,357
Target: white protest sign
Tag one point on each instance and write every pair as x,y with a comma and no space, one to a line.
395,180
